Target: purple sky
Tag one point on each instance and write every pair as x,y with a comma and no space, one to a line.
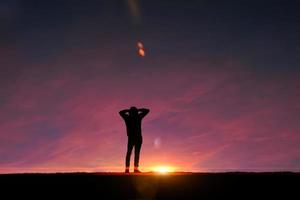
221,80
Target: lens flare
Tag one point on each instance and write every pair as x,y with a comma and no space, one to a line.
141,49
140,45
141,52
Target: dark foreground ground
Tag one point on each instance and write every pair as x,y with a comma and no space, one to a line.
282,185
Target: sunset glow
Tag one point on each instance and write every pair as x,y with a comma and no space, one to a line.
163,169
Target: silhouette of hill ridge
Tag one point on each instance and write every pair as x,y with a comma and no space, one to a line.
178,185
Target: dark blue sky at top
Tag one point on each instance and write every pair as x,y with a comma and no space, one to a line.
262,33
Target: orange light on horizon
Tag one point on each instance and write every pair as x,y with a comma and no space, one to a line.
163,169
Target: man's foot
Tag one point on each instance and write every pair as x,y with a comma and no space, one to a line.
137,171
126,170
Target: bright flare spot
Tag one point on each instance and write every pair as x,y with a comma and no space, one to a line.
140,45
163,169
157,143
141,52
141,49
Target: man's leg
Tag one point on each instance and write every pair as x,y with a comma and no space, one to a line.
128,154
137,149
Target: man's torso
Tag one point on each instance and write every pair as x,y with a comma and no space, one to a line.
133,126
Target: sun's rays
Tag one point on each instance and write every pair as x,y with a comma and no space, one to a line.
163,169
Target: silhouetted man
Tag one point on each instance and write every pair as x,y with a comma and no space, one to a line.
133,119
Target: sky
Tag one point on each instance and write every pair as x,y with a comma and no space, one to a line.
221,80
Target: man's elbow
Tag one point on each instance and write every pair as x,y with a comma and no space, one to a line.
146,110
122,113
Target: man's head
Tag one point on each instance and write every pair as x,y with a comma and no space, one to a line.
133,111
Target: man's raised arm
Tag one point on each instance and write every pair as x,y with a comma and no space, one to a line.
143,112
124,113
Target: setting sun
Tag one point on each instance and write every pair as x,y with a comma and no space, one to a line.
163,169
